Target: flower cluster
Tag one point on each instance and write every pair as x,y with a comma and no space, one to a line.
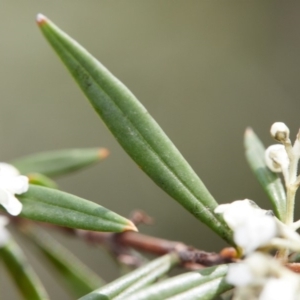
262,277
256,231
284,157
11,183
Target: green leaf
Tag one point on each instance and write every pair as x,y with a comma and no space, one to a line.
61,162
77,276
56,207
270,181
206,291
135,280
179,284
42,180
21,271
135,130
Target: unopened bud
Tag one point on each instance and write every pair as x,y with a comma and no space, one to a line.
276,158
280,132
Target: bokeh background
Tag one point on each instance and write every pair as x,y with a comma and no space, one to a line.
205,70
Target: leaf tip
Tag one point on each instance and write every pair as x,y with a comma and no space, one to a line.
41,19
248,132
130,227
103,153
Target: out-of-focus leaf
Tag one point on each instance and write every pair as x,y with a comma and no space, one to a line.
206,291
135,280
78,277
179,284
56,207
42,180
270,181
135,130
21,271
61,162
294,257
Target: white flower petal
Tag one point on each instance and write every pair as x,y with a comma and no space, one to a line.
4,233
11,183
4,197
255,233
280,288
239,275
261,277
19,185
13,206
3,221
9,170
15,184
239,212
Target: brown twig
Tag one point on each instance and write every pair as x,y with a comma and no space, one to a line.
121,244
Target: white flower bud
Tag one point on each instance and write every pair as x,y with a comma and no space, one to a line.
276,158
280,132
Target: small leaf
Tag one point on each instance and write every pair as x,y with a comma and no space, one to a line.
78,277
21,271
270,181
61,162
42,180
135,280
179,284
206,291
56,207
135,130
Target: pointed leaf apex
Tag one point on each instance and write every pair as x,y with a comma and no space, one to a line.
41,19
130,227
248,131
103,153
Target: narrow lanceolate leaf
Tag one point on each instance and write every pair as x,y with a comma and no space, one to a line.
270,181
135,280
208,291
56,207
136,131
179,284
24,276
61,162
77,276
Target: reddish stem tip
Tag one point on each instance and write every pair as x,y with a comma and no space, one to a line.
41,19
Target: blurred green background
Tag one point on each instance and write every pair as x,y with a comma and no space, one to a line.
205,70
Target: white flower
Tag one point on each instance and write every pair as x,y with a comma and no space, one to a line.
285,288
4,234
253,227
280,132
277,159
261,277
11,183
236,212
256,233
